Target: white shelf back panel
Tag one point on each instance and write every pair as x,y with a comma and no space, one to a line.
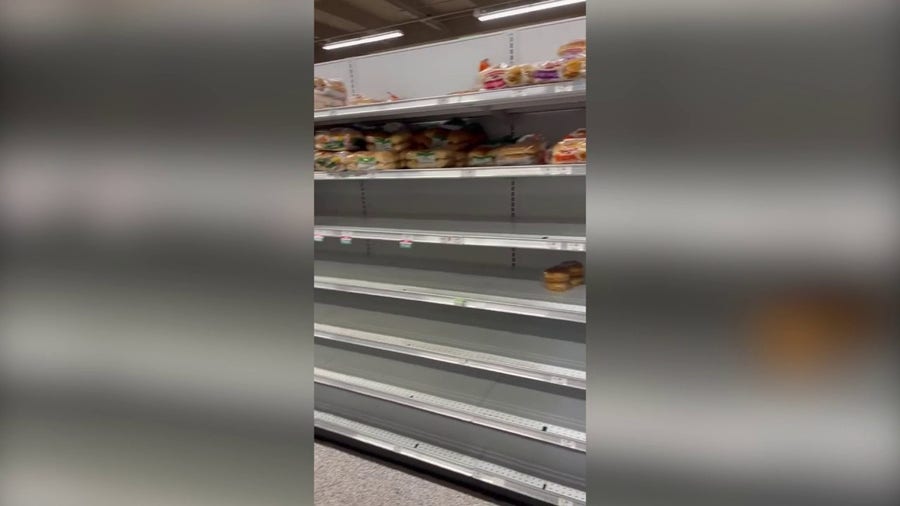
435,69
540,42
336,70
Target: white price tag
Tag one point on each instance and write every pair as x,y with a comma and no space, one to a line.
557,171
345,240
565,502
467,173
555,245
406,244
451,240
559,381
574,246
318,237
567,443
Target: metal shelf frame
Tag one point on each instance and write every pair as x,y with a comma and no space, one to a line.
458,173
458,233
466,358
486,293
525,427
554,96
464,465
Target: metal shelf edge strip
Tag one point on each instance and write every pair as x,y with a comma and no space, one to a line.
560,93
501,240
458,173
465,465
496,363
525,427
525,307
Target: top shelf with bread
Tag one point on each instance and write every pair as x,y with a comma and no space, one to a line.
534,98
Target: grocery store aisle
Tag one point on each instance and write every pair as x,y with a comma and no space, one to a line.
345,479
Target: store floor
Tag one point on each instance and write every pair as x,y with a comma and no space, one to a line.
346,478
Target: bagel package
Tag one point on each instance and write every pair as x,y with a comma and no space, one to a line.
482,156
329,93
430,158
330,161
528,150
493,78
373,160
339,139
380,140
572,149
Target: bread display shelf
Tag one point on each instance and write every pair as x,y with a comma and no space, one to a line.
544,236
545,97
463,357
458,173
486,472
525,297
539,430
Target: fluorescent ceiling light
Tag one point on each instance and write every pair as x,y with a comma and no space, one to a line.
524,9
363,40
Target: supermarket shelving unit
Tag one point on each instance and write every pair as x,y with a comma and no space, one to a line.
436,342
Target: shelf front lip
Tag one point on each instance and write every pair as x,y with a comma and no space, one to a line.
459,173
417,450
575,440
459,238
561,93
524,307
520,368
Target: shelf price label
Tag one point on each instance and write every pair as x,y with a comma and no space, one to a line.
557,171
555,245
564,502
346,240
459,302
574,246
558,381
406,244
318,237
450,240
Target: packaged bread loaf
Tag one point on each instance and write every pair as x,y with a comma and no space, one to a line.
331,161
493,78
380,140
518,75
329,93
372,160
482,156
339,139
572,149
575,49
528,150
430,159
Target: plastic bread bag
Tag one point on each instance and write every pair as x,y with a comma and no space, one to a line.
493,78
393,137
528,150
333,88
330,161
547,72
339,139
372,160
575,49
518,75
569,151
430,159
482,156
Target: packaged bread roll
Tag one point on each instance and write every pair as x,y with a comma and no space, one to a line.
384,141
483,156
518,75
547,72
339,139
372,160
528,150
575,49
572,149
493,78
330,161
430,159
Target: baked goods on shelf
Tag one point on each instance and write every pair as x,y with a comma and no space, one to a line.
330,161
572,149
483,156
564,276
430,159
339,139
571,64
528,150
329,93
380,140
373,160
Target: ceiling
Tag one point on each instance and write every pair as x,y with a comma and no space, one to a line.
422,21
